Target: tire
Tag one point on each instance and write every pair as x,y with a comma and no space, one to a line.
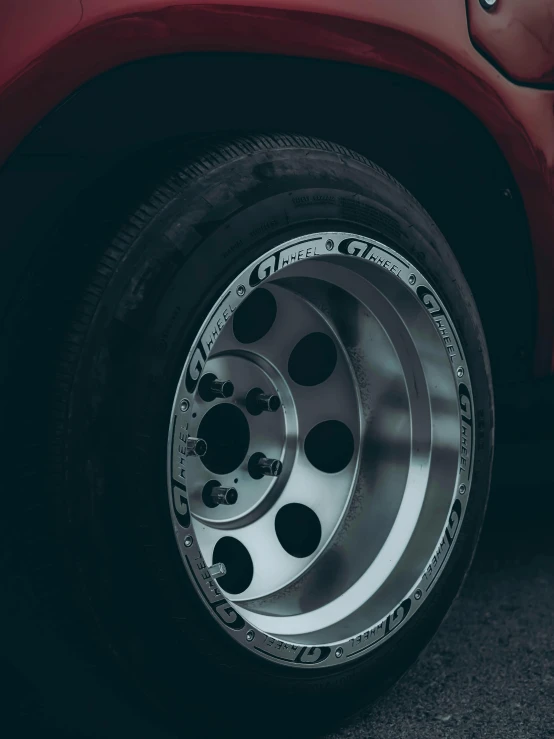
120,387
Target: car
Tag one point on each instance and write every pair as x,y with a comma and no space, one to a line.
266,269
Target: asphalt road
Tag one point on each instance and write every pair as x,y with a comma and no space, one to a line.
489,672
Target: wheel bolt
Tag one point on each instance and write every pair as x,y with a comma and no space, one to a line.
224,496
257,402
214,494
258,466
270,403
222,388
270,467
217,570
211,388
196,447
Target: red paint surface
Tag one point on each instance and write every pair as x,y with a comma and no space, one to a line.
519,36
60,48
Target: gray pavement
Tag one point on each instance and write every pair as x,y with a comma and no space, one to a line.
489,672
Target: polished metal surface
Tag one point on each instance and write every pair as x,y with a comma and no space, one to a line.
350,487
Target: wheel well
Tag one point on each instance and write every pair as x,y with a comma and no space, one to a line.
72,162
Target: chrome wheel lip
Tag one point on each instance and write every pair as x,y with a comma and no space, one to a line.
296,648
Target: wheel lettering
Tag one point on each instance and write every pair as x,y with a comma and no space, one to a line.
362,250
454,519
466,428
313,655
195,367
229,616
395,618
465,403
181,506
429,301
263,270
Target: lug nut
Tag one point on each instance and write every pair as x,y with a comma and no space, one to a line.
217,570
270,467
259,465
224,496
257,402
222,388
214,494
210,388
196,447
269,403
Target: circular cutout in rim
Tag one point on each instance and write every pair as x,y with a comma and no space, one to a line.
313,359
329,446
298,529
227,434
254,318
238,563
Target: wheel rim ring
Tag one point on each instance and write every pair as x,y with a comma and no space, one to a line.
372,265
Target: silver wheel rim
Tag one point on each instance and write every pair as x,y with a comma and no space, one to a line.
371,436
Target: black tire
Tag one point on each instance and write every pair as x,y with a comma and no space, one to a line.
129,332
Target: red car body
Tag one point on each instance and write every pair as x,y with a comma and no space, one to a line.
496,61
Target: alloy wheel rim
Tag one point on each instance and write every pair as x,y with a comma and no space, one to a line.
369,432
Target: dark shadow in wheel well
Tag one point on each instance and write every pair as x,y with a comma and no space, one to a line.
93,152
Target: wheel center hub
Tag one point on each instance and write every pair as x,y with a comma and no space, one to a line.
239,436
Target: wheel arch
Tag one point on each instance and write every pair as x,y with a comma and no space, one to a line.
424,137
